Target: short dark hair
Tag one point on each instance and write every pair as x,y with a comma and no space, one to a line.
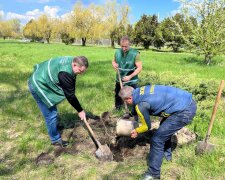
81,61
124,38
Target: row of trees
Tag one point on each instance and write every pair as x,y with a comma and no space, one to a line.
198,27
86,23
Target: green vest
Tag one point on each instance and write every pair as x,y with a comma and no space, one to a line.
126,64
45,80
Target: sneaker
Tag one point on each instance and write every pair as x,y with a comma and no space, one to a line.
147,176
61,143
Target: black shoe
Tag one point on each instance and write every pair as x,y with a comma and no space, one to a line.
61,143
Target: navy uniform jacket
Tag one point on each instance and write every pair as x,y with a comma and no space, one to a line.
161,101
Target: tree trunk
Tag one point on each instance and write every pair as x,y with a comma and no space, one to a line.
48,40
146,45
112,43
208,58
84,41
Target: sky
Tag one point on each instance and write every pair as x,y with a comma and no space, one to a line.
24,10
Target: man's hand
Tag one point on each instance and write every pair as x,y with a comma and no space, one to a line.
126,116
82,115
126,78
134,133
115,65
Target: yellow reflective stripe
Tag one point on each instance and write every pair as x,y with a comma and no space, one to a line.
142,90
152,89
163,114
144,126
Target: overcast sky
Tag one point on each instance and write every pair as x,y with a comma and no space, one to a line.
31,9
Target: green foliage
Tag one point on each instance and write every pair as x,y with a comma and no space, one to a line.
67,39
207,31
144,30
171,33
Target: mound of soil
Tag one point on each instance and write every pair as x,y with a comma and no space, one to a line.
105,129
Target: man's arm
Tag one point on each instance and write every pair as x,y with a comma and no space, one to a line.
114,63
142,110
138,64
67,83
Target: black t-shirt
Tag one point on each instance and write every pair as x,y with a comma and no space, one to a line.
67,83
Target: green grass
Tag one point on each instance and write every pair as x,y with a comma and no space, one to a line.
23,134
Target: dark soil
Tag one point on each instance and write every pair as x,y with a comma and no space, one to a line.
105,129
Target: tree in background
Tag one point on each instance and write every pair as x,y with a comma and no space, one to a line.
111,16
5,29
171,34
145,29
62,29
86,21
10,28
158,38
207,36
130,32
16,28
121,29
116,20
44,28
30,31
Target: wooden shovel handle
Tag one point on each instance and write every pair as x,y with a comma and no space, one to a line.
121,86
214,110
92,132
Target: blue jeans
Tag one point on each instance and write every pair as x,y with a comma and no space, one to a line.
161,140
50,115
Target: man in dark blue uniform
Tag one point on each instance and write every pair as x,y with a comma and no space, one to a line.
177,108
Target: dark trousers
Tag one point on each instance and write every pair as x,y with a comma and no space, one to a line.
118,100
161,138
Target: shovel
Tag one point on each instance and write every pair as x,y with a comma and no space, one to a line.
121,86
103,152
204,146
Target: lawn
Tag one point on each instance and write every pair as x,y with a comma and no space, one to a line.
22,129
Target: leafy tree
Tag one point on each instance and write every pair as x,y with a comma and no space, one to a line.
111,16
207,33
116,20
121,29
171,33
62,29
44,28
10,28
5,29
16,27
66,38
144,30
30,30
130,31
158,38
86,21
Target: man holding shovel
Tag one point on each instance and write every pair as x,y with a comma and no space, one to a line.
177,108
127,62
51,82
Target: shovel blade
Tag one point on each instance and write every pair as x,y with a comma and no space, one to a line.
203,147
103,153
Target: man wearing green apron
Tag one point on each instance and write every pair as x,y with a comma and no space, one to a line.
50,83
127,61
